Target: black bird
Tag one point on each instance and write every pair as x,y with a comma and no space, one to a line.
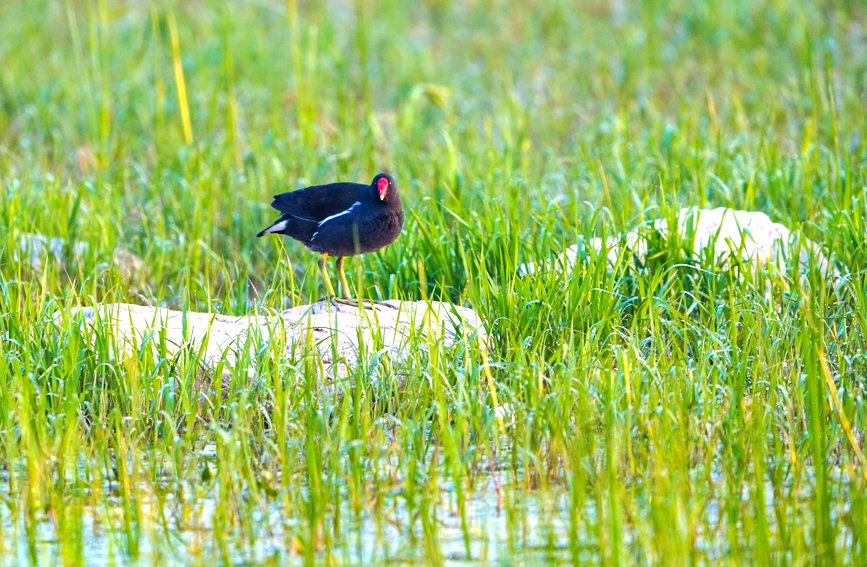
340,219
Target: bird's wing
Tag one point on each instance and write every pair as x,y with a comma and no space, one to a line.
318,202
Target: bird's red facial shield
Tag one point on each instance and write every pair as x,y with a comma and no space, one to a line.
382,186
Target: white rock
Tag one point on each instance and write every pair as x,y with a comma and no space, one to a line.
338,332
746,235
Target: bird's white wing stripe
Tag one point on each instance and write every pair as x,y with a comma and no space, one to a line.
332,217
340,214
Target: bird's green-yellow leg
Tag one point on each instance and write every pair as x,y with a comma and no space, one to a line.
324,271
343,283
346,300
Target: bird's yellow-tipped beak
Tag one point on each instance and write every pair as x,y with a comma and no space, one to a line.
382,187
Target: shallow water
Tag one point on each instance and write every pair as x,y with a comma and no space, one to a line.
533,527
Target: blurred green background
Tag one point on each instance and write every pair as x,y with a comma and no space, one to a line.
176,122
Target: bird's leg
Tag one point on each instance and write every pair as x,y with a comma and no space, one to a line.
343,283
345,287
348,300
332,297
324,271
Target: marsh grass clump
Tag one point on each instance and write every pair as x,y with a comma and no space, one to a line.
672,412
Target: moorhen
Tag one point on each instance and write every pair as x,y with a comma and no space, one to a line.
340,219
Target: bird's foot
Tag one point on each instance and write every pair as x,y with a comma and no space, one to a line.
347,301
336,302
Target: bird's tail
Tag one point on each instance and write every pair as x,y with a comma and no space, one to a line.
278,226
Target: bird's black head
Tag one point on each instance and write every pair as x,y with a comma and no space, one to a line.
384,188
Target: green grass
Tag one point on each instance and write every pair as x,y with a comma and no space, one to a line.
655,417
